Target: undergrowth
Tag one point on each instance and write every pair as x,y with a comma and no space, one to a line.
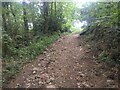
12,65
103,55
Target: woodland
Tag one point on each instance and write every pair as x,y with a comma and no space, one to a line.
29,29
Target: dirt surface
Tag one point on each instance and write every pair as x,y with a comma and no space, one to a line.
66,63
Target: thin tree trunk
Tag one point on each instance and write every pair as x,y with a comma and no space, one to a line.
51,8
14,32
4,18
25,24
45,6
12,12
5,28
55,8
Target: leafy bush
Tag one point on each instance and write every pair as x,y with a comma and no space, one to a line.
13,65
102,22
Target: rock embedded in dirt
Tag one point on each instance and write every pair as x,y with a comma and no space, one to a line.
18,86
35,70
51,79
40,83
80,49
33,84
74,58
53,53
71,78
52,49
82,75
109,81
79,72
28,80
48,55
50,86
37,76
48,81
41,58
85,84
28,85
59,40
39,64
46,49
65,48
79,85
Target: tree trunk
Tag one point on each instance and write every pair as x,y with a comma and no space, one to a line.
15,31
51,8
45,7
25,24
55,8
4,17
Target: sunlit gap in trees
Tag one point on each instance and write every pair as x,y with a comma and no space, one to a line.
26,1
78,24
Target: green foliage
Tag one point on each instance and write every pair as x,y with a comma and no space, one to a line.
103,56
28,29
16,17
13,65
102,21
